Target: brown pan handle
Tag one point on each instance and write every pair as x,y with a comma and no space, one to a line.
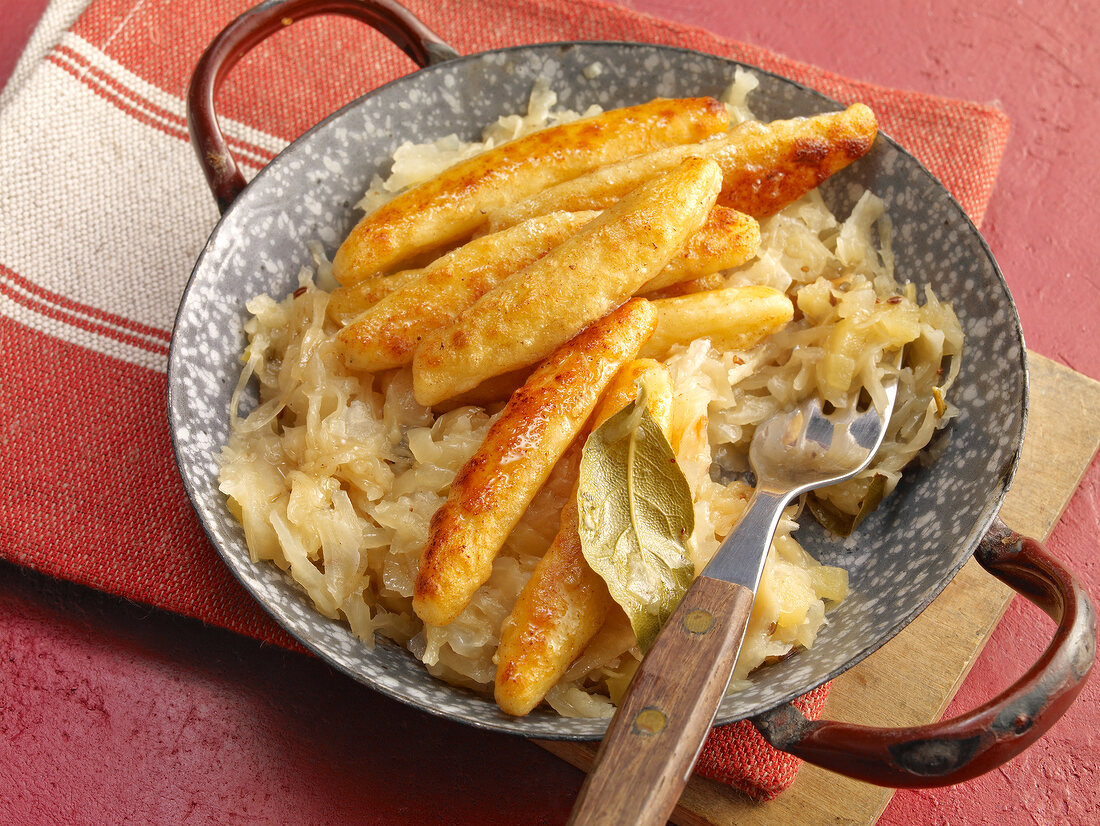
952,751
251,28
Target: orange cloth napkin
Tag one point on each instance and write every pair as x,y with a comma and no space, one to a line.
104,212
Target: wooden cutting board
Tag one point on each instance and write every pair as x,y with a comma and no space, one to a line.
912,679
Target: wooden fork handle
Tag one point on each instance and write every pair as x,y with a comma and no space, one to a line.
655,737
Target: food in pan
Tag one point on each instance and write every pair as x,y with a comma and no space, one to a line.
489,361
455,203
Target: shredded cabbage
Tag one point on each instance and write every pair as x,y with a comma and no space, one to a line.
334,477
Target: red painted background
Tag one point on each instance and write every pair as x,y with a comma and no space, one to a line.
111,712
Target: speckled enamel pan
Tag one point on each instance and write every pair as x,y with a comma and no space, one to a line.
904,554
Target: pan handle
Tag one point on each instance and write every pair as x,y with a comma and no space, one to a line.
952,751
251,28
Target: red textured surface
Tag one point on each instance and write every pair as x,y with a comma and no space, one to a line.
17,21
111,713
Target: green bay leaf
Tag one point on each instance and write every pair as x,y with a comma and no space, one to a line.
636,516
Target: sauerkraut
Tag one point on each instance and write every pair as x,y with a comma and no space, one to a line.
334,476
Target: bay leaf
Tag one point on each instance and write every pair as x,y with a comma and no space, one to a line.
635,517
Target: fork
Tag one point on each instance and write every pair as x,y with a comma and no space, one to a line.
656,735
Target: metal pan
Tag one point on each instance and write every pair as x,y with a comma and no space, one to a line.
907,551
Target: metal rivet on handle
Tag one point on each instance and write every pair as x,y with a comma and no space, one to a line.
650,721
698,621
